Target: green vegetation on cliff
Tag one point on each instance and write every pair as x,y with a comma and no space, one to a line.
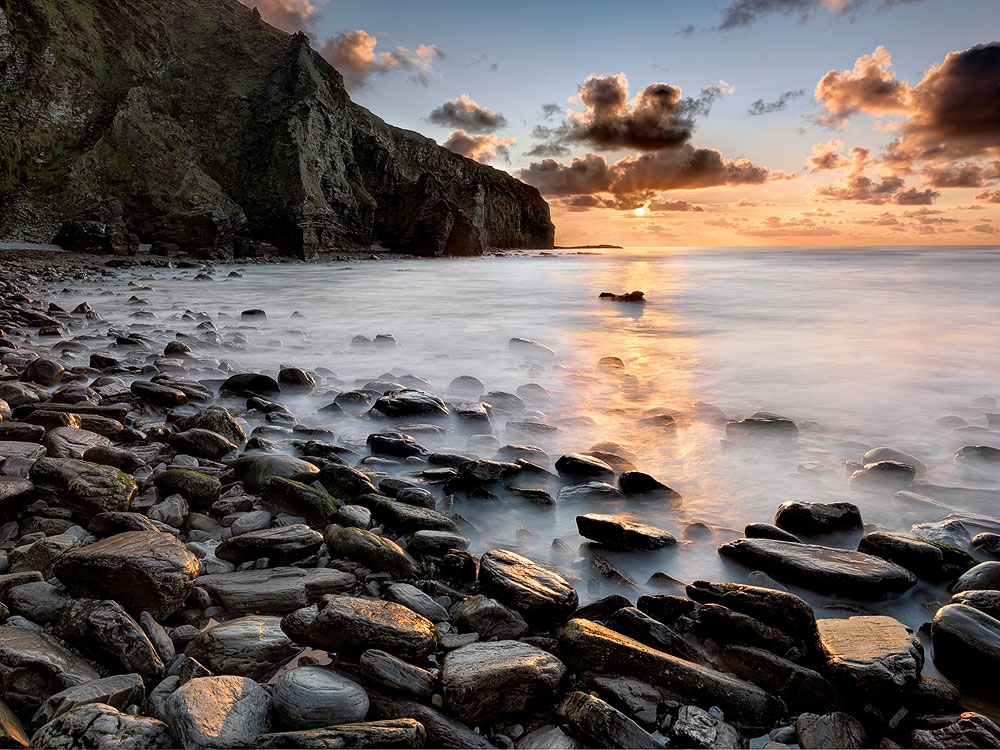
206,124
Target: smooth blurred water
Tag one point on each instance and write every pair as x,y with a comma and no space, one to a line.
861,347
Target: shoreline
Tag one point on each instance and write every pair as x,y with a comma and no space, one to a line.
172,441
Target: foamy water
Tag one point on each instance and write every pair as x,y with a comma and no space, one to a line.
860,347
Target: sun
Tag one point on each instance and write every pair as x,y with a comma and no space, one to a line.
641,211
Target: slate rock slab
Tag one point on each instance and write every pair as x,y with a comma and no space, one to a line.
539,594
218,712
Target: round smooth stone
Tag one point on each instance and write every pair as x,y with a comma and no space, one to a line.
310,697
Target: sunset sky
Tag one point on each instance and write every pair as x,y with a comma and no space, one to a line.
698,122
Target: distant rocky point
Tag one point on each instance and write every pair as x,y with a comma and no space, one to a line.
587,247
197,127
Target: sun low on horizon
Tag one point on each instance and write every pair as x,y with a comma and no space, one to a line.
738,122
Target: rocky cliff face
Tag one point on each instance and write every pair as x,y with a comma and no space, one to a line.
196,124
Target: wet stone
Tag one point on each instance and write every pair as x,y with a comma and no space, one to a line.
618,533
100,725
930,560
83,487
489,618
392,672
966,644
876,656
252,646
117,691
34,666
836,729
298,499
600,723
638,483
197,488
578,465
274,590
372,550
884,475
280,545
970,730
984,601
583,492
311,697
982,577
434,542
695,727
224,711
817,518
539,594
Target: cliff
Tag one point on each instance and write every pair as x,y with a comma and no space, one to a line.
193,123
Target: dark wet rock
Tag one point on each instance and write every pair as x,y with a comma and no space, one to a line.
115,522
638,483
883,453
768,531
219,421
98,725
44,371
837,729
396,674
141,570
618,533
485,681
252,646
351,624
489,618
105,631
725,626
85,488
281,545
433,542
274,590
580,466
539,594
296,379
636,624
481,471
817,518
695,727
984,576
249,384
357,516
762,424
585,645
826,569
223,711
549,737
638,700
345,483
987,542
197,488
801,688
21,432
389,733
978,455
253,469
409,402
42,554
665,608
34,666
534,495
874,656
395,444
39,601
298,499
158,393
627,297
15,493
884,475
120,458
202,443
71,442
970,730
984,601
19,449
409,518
595,721
117,691
372,550
966,644
441,730
311,697
780,609
589,491
511,453
930,560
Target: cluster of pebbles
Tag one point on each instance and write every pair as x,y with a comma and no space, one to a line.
184,564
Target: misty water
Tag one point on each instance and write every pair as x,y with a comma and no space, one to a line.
860,347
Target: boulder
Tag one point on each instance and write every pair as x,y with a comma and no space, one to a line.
799,517
274,591
409,402
540,595
966,644
98,725
801,688
488,681
695,727
600,723
298,499
971,730
85,488
826,569
281,545
586,645
931,560
117,691
837,729
158,394
312,697
762,425
141,570
984,601
396,674
619,533
982,577
489,618
410,518
780,609
12,731
638,483
72,442
351,624
873,656
197,488
344,483
202,443
219,421
374,551
884,475
388,733
255,468
579,466
34,666
586,492
434,542
218,712
252,646
249,384
413,598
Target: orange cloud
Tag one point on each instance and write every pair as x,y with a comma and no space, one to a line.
827,156
288,15
482,148
870,87
353,54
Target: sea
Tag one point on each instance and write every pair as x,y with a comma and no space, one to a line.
860,347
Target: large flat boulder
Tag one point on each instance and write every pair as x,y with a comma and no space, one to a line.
539,594
830,570
874,656
274,591
218,712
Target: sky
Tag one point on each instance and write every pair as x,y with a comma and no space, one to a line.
697,122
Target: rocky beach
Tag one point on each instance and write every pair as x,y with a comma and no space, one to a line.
187,561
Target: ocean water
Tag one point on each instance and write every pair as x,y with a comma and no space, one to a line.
860,347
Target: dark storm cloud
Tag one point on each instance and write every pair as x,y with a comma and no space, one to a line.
584,176
760,107
743,13
550,110
465,113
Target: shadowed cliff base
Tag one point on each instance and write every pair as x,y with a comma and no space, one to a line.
201,127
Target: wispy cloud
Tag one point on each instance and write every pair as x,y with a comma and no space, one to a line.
353,54
760,107
744,13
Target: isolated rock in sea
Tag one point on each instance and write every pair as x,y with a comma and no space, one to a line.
799,517
580,466
486,681
830,570
762,424
619,533
640,483
141,570
884,475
